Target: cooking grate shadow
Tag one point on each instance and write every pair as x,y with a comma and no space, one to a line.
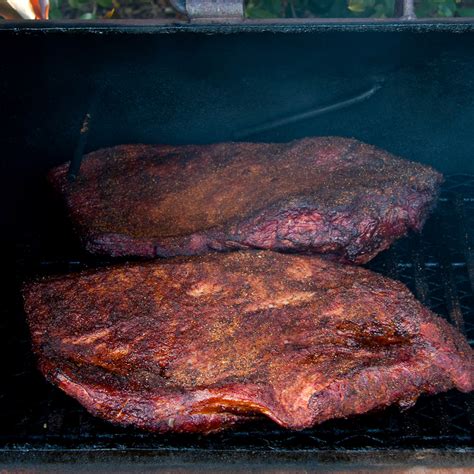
437,265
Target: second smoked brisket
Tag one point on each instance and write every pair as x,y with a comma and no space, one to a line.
330,195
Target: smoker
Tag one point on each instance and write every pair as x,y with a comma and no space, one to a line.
403,84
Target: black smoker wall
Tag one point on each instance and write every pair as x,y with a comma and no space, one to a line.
197,88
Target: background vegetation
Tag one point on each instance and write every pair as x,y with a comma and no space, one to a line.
353,8
92,9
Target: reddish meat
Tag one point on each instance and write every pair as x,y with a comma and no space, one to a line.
200,343
333,196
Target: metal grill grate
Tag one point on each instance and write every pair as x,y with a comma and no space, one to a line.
438,266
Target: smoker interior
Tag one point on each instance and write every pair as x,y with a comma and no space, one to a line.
407,90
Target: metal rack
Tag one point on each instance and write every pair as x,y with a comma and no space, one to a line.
437,265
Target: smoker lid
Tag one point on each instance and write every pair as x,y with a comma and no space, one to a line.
230,26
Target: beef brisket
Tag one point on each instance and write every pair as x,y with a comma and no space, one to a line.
196,344
332,196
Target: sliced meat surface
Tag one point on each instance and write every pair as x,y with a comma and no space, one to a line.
197,344
329,195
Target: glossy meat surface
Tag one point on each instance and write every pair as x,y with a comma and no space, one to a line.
328,195
197,344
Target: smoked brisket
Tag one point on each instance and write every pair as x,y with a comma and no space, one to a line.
197,344
329,195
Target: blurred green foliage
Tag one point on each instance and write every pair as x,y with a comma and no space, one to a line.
82,9
444,8
319,8
91,9
354,8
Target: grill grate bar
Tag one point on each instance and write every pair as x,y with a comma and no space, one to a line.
421,283
443,251
466,239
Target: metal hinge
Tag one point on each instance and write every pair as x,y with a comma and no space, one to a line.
405,9
210,9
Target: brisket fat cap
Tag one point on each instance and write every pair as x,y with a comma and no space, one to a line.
328,195
196,344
